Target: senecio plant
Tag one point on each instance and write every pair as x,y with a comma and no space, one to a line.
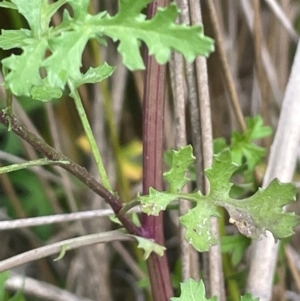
50,64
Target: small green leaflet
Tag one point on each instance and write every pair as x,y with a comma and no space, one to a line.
236,245
8,4
25,68
197,223
65,62
94,75
149,246
45,92
4,276
63,251
252,216
249,297
14,38
150,204
193,291
242,144
263,211
182,159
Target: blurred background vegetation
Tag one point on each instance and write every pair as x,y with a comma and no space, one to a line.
114,107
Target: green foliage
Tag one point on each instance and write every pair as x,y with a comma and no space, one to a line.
67,41
249,297
192,291
242,145
4,276
176,175
17,297
195,291
252,216
35,201
149,246
236,245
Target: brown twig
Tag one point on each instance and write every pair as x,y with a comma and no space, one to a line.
78,171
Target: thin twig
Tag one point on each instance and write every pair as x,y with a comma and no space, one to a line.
39,170
58,218
228,78
215,257
40,290
290,255
75,169
62,246
283,19
261,74
267,61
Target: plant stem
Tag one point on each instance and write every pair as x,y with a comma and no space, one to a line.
62,246
78,171
38,162
153,126
88,131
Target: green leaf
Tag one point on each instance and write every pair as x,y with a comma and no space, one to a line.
14,38
47,11
256,128
45,92
4,276
156,201
62,253
248,297
65,61
38,13
8,4
193,291
17,297
242,145
67,41
219,175
160,34
25,68
80,8
197,223
95,75
181,161
252,216
149,246
236,245
30,9
263,211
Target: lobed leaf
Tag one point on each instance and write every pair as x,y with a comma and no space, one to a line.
263,211
160,34
25,68
219,175
156,201
193,291
7,4
149,246
252,216
14,38
198,229
65,61
181,161
249,297
31,10
236,245
94,75
45,92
